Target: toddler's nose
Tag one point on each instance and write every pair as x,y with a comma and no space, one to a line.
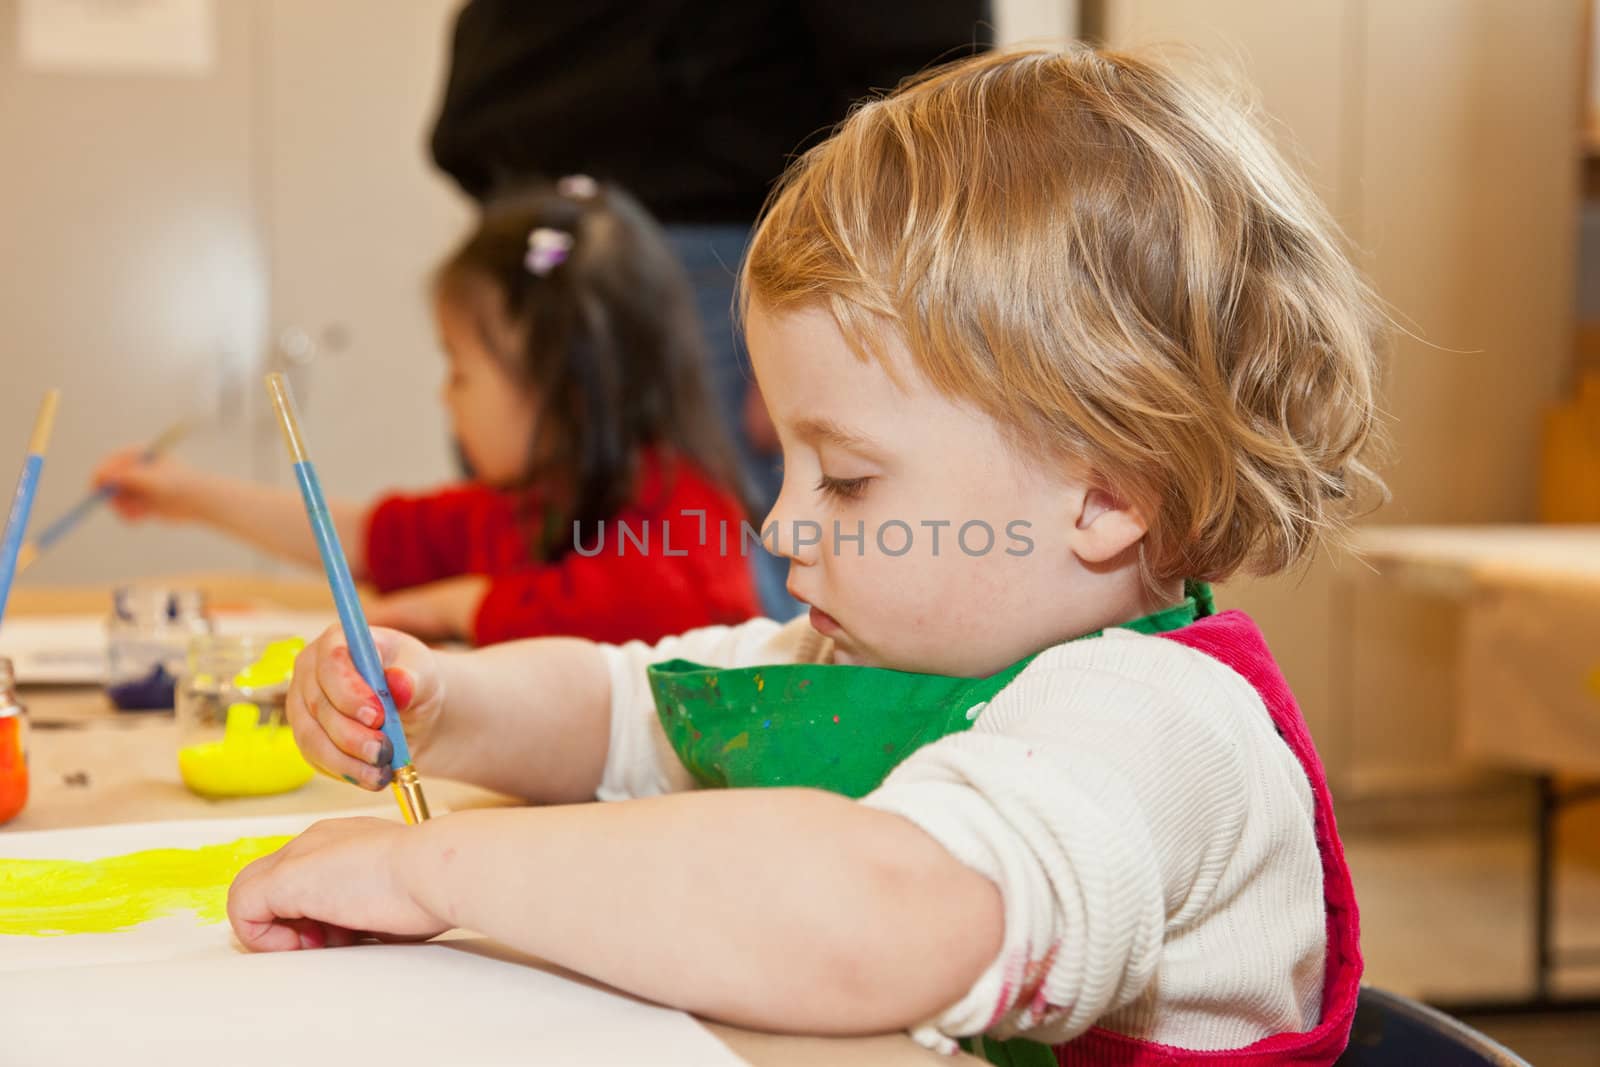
787,533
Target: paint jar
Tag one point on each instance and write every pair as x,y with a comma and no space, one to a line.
147,636
13,746
233,737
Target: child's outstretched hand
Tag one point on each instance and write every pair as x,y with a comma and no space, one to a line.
336,717
334,884
160,487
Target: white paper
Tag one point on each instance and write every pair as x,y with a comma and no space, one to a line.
118,36
55,650
179,992
71,649
415,1004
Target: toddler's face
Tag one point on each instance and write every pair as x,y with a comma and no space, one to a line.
966,560
492,414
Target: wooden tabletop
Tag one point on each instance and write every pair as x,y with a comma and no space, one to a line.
92,765
1454,560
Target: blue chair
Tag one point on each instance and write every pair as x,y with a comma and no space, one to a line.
1393,1031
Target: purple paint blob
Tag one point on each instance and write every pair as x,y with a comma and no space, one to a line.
150,692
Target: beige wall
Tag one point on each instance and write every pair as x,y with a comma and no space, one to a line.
135,279
1442,133
1034,21
167,230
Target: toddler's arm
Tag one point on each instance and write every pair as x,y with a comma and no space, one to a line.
268,517
784,909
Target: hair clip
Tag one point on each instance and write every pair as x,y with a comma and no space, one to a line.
578,186
547,250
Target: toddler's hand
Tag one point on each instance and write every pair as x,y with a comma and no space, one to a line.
336,717
160,487
332,885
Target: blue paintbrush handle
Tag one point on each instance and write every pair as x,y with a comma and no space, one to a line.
63,525
363,650
17,524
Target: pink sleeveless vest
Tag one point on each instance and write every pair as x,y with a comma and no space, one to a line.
1233,639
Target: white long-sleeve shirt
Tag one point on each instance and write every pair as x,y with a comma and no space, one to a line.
1150,833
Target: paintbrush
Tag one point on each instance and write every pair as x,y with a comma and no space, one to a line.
27,487
65,523
363,650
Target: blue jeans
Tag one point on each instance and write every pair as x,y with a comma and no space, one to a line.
712,254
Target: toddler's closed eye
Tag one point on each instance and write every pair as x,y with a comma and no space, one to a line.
842,488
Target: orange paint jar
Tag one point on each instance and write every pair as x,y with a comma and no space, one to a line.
13,746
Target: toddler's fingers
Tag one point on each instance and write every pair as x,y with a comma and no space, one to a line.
400,651
314,934
341,684
406,663
253,921
315,681
259,930
333,743
359,756
114,466
129,507
402,686
337,717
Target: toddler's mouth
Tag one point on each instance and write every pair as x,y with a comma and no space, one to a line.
825,624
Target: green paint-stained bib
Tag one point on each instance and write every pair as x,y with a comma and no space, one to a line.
839,728
829,727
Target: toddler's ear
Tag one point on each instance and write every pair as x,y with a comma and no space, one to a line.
1105,527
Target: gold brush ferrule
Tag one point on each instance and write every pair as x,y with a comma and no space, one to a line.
408,790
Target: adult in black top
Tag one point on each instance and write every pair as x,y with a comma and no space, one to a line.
694,106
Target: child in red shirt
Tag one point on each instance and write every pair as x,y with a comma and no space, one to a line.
577,393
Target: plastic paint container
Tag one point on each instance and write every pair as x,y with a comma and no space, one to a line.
234,740
13,746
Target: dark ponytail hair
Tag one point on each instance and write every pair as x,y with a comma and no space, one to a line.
607,337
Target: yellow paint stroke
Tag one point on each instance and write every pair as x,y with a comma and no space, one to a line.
45,898
742,741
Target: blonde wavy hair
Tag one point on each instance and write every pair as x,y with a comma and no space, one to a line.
1112,262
